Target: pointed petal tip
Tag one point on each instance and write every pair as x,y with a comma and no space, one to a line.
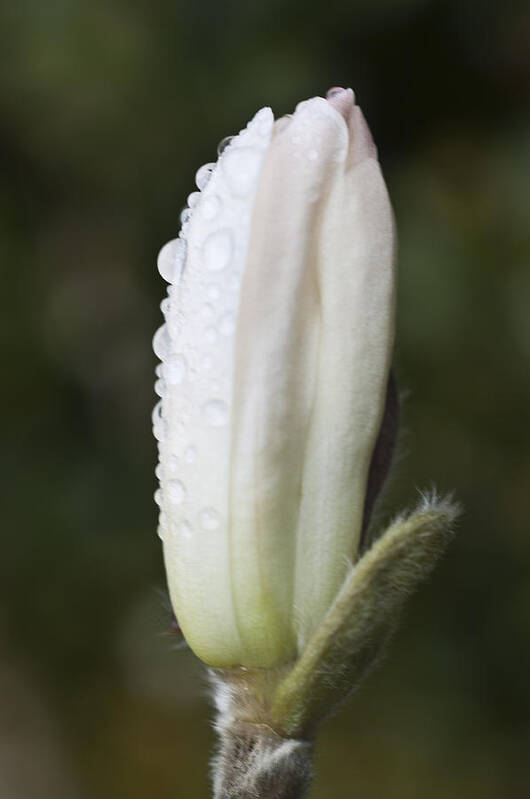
342,100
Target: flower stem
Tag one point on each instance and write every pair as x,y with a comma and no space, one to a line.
253,762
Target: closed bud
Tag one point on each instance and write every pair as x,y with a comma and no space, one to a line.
276,424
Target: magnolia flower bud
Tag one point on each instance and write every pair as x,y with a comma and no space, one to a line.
275,359
276,426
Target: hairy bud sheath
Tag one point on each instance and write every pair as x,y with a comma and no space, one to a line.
275,359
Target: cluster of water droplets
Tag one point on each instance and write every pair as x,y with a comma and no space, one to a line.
203,268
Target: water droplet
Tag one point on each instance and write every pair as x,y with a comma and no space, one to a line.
211,335
162,525
264,120
190,456
241,167
159,431
159,424
175,369
210,207
213,292
185,530
173,464
227,324
283,122
171,259
185,215
217,250
160,387
223,144
234,281
193,198
301,105
216,413
203,175
209,519
159,370
161,343
176,492
156,416
157,496
165,305
174,325
207,363
158,471
333,92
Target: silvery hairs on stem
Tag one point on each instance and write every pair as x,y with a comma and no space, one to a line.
276,426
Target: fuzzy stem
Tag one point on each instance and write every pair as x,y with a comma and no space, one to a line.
253,762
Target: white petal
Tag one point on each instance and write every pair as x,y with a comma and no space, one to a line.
278,342
357,277
198,402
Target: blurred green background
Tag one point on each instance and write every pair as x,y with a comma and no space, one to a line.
106,110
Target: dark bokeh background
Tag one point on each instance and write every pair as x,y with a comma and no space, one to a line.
106,110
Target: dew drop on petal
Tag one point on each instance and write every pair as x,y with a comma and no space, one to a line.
193,198
160,430
158,472
207,363
185,215
227,324
185,530
217,250
211,335
157,413
333,92
282,122
234,281
176,492
210,207
176,368
171,259
158,497
209,519
173,464
203,175
216,413
162,525
190,456
223,144
161,343
241,167
160,387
